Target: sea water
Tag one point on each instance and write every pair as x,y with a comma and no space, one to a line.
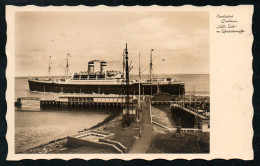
34,126
198,83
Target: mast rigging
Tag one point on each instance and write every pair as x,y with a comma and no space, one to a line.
67,66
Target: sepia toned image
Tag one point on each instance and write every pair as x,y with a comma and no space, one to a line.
129,82
112,82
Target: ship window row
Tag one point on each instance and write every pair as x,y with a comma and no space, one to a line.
84,76
89,79
93,81
80,99
90,76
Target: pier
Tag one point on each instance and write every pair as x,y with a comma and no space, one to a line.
29,98
201,117
18,102
190,110
177,102
87,101
197,110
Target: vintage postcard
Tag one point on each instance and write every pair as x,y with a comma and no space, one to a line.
129,82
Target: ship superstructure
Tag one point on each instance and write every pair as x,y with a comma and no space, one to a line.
97,73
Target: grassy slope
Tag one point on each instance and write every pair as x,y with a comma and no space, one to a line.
178,143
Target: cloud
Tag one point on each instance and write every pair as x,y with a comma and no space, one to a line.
181,38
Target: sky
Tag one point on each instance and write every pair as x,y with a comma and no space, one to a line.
180,41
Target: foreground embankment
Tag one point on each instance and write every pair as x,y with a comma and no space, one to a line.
180,143
112,124
161,140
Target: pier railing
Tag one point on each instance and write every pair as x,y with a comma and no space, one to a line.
176,102
186,130
190,129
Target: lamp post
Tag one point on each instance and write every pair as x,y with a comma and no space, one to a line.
49,68
151,71
151,64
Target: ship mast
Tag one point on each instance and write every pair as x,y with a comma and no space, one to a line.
67,66
126,119
151,64
49,68
124,63
139,83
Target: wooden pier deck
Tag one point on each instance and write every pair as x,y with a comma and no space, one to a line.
86,101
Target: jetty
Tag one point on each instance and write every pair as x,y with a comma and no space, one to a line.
177,102
190,110
18,102
87,101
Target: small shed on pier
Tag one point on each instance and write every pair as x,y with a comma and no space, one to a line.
205,125
163,97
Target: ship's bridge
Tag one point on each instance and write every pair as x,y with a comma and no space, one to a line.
98,75
161,80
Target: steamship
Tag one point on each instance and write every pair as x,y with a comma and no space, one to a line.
101,81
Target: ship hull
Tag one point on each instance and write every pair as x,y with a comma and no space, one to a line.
146,89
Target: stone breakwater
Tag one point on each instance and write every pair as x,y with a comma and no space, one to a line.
162,117
48,147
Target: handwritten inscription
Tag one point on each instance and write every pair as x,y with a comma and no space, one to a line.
228,24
